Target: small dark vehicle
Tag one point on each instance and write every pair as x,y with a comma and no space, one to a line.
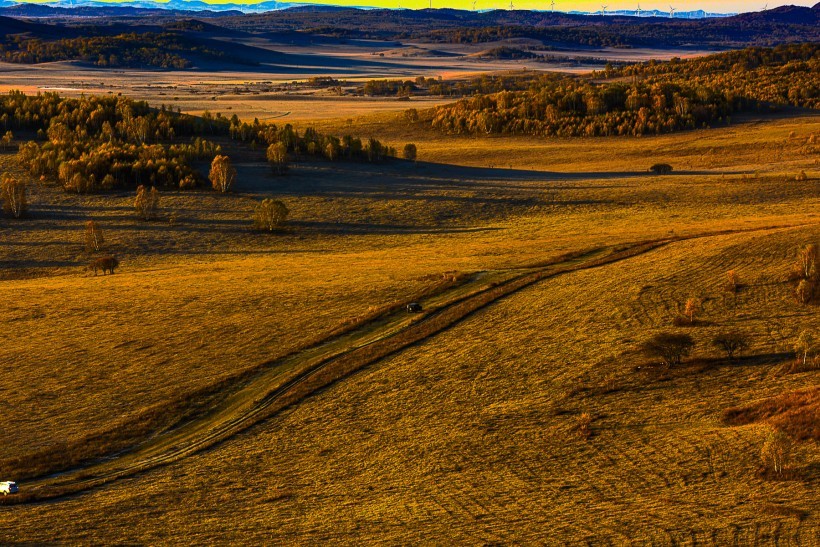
414,307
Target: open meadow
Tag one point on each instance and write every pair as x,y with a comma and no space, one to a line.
526,413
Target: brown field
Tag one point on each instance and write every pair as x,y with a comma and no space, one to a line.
468,434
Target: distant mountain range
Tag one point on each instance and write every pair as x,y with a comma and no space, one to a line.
92,8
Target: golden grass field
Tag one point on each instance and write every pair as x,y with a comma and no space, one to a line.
469,435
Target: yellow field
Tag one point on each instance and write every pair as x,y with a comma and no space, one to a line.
469,435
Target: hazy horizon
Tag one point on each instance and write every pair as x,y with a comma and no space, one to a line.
712,6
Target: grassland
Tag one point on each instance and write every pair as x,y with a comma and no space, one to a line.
468,435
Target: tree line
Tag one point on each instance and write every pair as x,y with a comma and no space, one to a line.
658,98
150,49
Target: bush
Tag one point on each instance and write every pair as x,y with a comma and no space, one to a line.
222,175
661,169
13,196
669,348
583,425
147,202
269,215
731,343
277,155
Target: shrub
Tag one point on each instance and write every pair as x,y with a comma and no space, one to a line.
13,196
147,202
801,177
661,169
583,424
269,215
410,151
777,452
731,343
223,174
277,155
93,237
669,348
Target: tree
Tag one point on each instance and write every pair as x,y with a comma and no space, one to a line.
222,175
661,169
731,343
807,261
410,151
732,281
269,215
777,452
93,237
804,347
147,202
691,309
804,291
13,196
277,155
670,348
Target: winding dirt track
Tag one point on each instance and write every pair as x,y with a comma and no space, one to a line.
303,373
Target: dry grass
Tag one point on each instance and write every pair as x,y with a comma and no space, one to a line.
468,436
796,413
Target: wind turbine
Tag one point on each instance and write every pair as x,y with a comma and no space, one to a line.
639,10
671,12
474,5
603,10
765,7
552,6
511,5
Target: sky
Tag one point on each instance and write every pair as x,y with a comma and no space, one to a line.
716,6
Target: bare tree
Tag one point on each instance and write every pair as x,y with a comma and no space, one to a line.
669,348
731,343
223,174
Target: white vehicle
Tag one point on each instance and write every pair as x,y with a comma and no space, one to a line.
8,487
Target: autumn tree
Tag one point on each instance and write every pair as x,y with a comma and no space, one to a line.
93,237
691,309
147,202
223,174
807,262
732,281
669,348
804,347
13,196
269,215
277,155
777,452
